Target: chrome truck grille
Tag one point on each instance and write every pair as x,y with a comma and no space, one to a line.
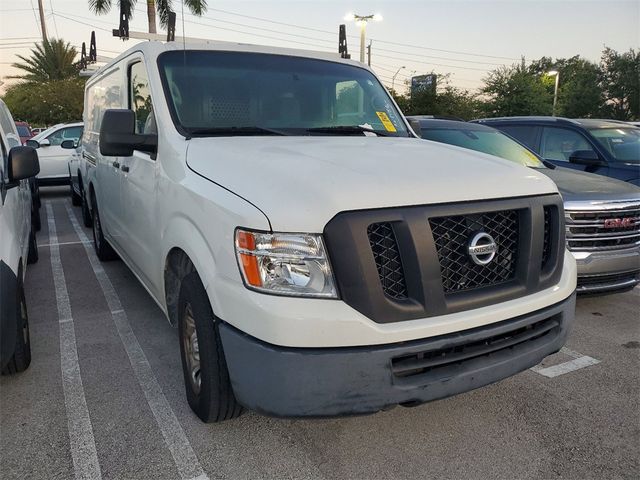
603,227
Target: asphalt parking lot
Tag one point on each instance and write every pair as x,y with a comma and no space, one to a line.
104,397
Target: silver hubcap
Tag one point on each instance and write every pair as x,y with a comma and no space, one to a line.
191,350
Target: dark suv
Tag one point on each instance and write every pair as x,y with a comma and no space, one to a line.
597,146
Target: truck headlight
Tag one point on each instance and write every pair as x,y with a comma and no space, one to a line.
285,264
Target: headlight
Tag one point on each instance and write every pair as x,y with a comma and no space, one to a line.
285,264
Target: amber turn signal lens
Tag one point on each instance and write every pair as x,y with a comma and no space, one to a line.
246,241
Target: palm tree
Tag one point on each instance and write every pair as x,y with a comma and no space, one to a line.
163,7
51,60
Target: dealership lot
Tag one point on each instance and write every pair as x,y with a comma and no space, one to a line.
575,416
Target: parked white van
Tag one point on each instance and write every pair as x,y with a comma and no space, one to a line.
317,258
17,244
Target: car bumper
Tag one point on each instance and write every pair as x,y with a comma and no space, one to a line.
318,382
609,271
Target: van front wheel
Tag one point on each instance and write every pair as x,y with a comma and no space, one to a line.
206,377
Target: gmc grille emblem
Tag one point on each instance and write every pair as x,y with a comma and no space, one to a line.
618,223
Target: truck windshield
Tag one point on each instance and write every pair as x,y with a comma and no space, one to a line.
214,93
491,142
622,143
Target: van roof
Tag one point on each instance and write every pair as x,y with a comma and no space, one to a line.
152,49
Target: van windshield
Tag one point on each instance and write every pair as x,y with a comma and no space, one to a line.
214,93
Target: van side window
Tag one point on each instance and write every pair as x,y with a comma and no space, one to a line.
140,99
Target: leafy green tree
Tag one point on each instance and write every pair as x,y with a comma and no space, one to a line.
47,103
515,90
162,7
49,60
580,93
620,79
446,100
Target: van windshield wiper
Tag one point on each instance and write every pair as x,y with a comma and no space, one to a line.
346,130
232,131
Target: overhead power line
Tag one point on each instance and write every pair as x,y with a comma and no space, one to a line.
457,52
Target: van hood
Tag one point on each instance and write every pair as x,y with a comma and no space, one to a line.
577,186
300,183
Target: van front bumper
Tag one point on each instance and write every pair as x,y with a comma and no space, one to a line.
319,382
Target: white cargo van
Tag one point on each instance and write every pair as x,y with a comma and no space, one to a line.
317,258
17,244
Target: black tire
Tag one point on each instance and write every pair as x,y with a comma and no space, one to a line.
76,200
21,358
32,256
104,251
214,400
36,221
86,213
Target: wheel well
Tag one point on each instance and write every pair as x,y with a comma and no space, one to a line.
80,181
177,266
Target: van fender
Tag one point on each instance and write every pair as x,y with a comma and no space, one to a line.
185,249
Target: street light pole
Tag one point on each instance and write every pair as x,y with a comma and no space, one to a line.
362,20
556,74
393,79
43,25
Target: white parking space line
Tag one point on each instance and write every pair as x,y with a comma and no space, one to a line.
43,245
81,440
183,455
579,361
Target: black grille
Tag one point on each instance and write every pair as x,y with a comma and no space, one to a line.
456,355
546,247
452,235
387,258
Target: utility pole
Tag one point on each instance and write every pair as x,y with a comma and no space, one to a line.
369,53
43,25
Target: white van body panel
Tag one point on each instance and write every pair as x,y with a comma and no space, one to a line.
15,203
326,178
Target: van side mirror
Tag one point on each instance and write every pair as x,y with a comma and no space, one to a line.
68,144
22,163
32,143
118,137
586,157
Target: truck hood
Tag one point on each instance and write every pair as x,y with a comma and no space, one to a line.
300,183
577,186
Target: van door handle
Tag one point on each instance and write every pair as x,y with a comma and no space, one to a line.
124,168
115,164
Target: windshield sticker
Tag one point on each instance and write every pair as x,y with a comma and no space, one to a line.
388,124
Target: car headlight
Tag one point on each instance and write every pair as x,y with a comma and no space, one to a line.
285,264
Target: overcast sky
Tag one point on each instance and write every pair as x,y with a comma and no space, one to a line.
463,38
